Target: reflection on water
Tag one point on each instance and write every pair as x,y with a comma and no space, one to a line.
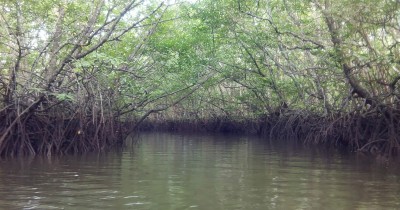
173,171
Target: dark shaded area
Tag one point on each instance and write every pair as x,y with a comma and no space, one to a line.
374,131
222,125
45,134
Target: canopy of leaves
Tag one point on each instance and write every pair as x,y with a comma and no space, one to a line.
228,58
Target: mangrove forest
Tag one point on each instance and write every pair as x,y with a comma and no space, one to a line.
79,76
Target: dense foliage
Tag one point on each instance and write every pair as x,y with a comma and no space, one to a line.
72,73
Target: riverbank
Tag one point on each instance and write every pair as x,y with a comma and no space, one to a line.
368,132
54,134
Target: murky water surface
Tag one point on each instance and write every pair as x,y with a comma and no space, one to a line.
186,171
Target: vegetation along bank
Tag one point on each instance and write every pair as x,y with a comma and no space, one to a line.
79,76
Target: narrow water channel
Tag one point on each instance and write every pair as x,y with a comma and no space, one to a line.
186,171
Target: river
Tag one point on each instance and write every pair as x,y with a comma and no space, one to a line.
192,171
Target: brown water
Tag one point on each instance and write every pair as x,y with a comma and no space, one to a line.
176,171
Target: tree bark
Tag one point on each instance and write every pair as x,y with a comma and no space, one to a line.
334,31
